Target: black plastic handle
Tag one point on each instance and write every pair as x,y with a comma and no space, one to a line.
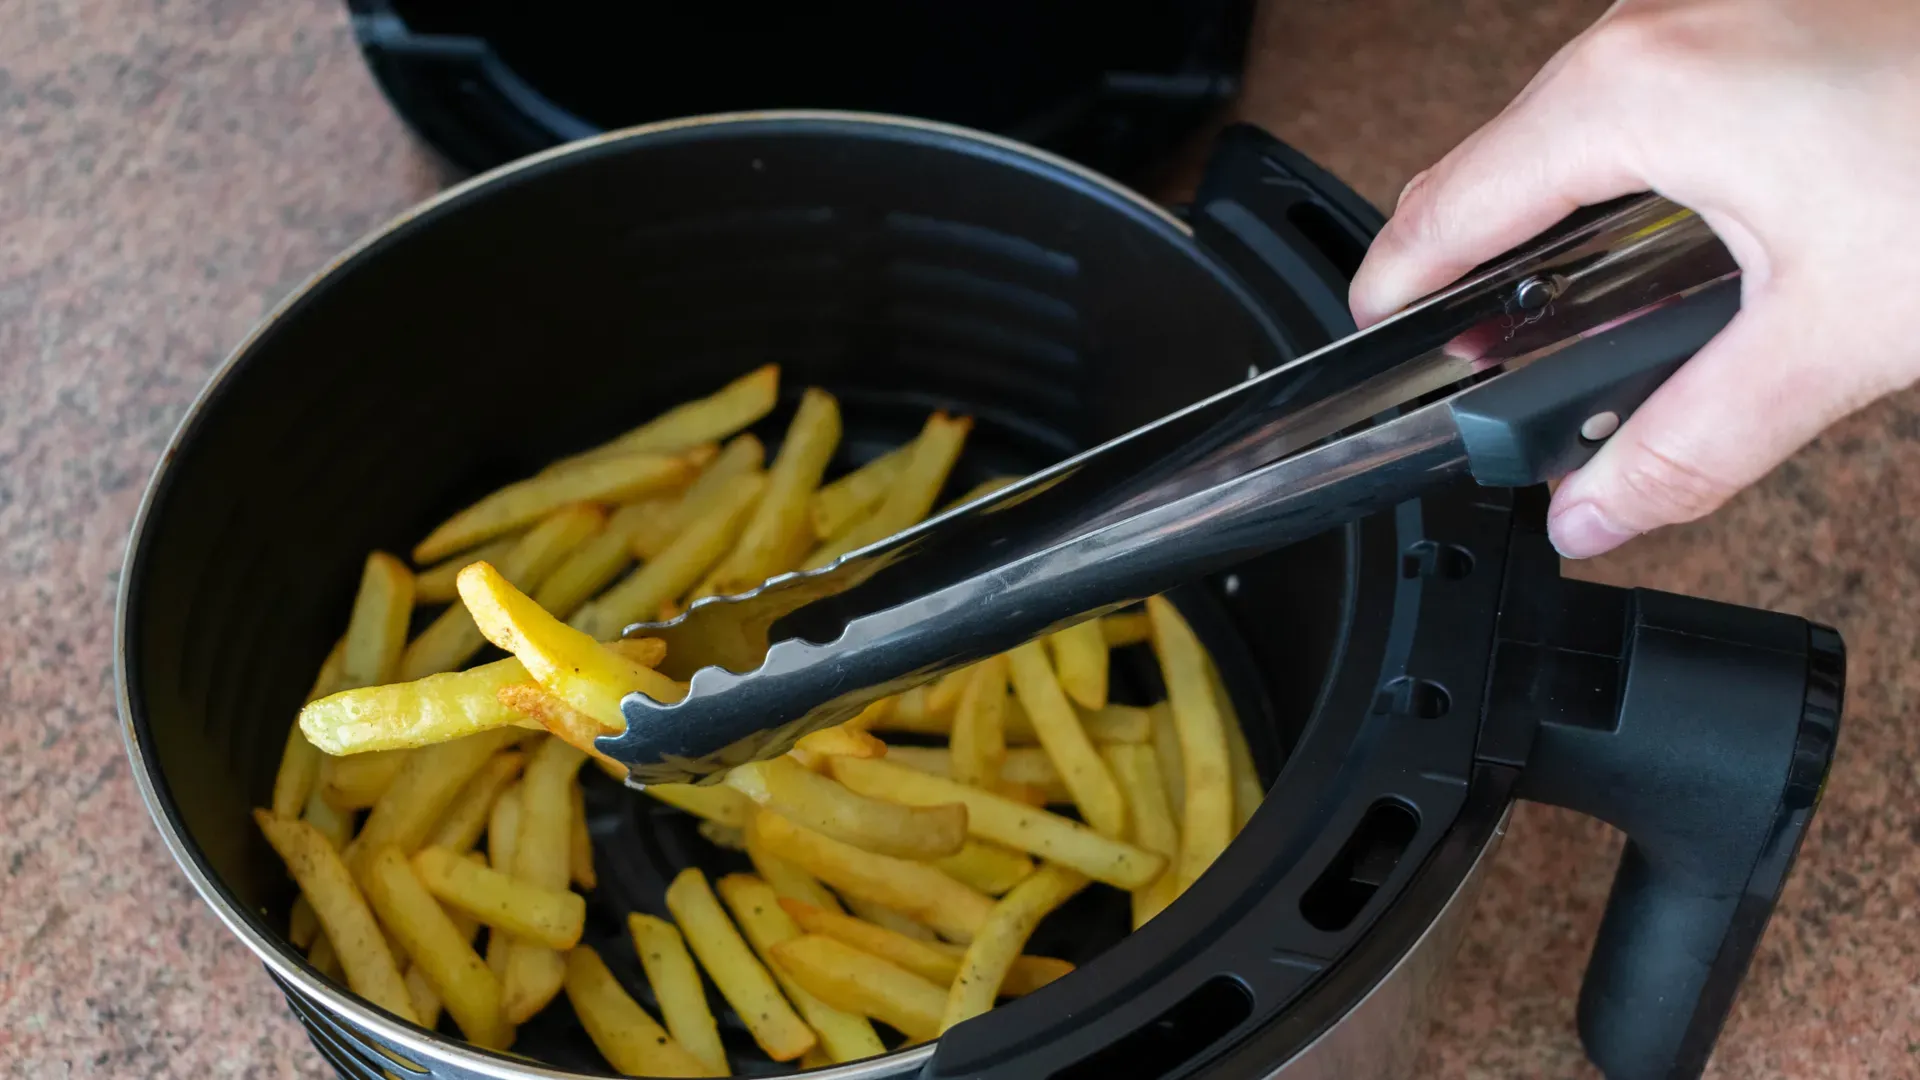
1703,731
1525,427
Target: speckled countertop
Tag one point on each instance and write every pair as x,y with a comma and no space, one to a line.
169,169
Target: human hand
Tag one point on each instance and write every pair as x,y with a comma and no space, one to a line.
1793,128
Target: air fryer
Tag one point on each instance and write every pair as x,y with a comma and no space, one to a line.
1402,679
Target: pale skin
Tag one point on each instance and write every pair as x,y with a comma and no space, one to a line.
1793,128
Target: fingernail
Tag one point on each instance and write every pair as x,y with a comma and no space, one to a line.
1581,531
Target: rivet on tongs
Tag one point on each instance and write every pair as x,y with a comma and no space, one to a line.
1534,293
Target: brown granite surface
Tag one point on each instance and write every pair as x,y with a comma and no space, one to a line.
167,169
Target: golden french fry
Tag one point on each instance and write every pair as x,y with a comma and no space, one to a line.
1206,823
327,962
499,957
979,725
646,651
912,494
862,983
1126,628
436,709
1137,768
452,639
436,585
785,878
428,783
466,818
799,794
883,916
677,987
1116,724
841,740
853,496
742,457
1113,724
589,567
549,917
1248,791
616,479
691,553
1080,657
734,406
911,714
540,857
626,1036
1066,742
943,696
999,941
1027,774
336,825
1004,821
713,802
912,888
983,489
935,961
442,953
580,841
351,931
779,522
299,770
426,1001
562,721
357,782
815,1058
741,978
577,669
847,1036
723,836
986,866
303,927
503,829
377,629
1166,747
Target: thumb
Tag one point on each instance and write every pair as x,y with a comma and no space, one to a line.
1754,395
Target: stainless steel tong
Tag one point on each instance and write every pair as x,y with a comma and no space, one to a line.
1513,376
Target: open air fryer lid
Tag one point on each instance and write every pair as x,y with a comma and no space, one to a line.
1115,87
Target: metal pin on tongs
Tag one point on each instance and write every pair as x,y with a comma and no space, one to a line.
1513,376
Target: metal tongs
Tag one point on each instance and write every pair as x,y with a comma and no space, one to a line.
1514,375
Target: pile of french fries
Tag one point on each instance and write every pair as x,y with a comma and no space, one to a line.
895,884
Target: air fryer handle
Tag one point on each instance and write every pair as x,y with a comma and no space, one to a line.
1707,740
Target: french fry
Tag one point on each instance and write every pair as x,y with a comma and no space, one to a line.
853,496
579,841
540,856
648,652
910,713
1137,768
397,716
983,489
703,543
351,931
550,917
883,916
979,725
426,1001
734,406
1166,747
577,669
1206,823
377,629
779,522
723,836
466,818
741,978
335,825
1248,791
1080,658
562,721
1027,774
862,983
503,829
784,877
912,494
1066,742
428,783
1113,724
815,1058
840,740
997,818
452,639
303,927
677,987
743,456
1126,628
799,794
999,941
615,479
713,802
357,782
986,866
943,696
443,954
936,961
436,585
847,1036
912,888
631,1041
592,565
299,768
327,962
